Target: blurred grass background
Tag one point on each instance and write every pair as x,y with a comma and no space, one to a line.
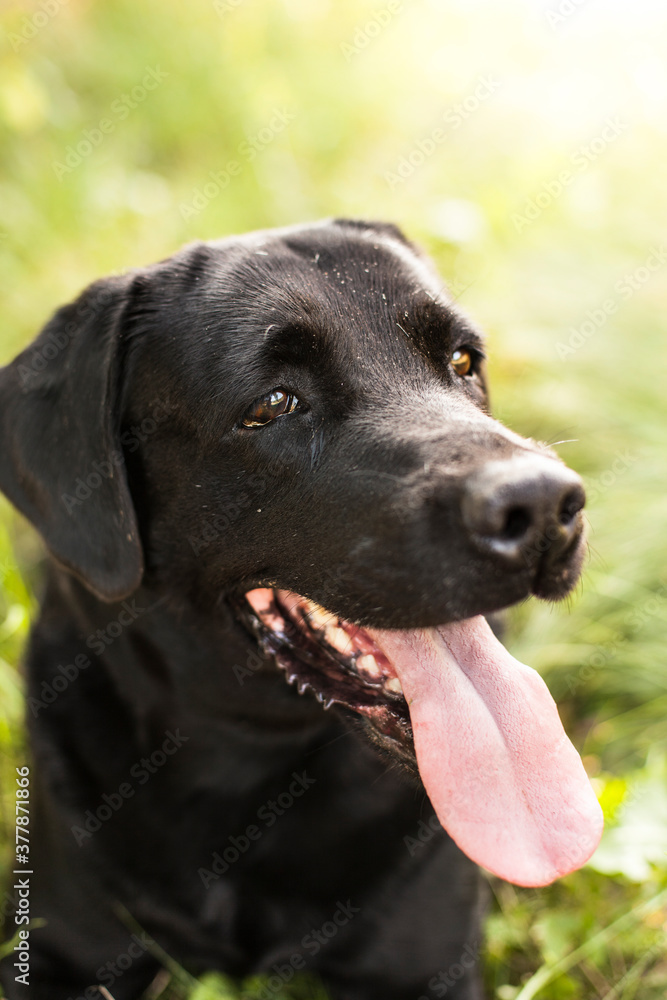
339,102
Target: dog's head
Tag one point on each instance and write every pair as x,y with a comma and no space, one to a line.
298,420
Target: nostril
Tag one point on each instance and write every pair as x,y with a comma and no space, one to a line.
517,522
523,510
570,506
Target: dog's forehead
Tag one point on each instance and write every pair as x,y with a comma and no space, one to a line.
336,249
337,265
369,285
360,308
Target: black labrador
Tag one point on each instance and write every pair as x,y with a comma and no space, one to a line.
261,686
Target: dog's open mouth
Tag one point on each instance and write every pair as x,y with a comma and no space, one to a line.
505,781
339,662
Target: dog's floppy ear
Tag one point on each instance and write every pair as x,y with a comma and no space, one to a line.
61,462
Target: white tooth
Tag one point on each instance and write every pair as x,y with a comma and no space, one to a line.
302,686
328,703
368,665
338,638
317,616
393,684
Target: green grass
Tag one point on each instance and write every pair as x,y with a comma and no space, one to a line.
356,116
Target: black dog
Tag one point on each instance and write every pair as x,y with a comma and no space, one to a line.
216,449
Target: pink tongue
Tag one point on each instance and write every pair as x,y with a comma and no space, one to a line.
505,781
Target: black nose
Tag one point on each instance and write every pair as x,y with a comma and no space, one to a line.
523,508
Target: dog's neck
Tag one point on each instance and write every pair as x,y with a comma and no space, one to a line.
211,668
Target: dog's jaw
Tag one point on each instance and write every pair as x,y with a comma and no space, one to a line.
335,661
505,781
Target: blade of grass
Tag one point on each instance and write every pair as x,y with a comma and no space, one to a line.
630,981
548,972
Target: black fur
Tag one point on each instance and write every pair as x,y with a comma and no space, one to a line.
123,443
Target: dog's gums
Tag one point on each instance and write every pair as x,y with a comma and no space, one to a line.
337,661
505,781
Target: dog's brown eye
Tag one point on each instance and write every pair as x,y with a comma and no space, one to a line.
462,362
267,408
